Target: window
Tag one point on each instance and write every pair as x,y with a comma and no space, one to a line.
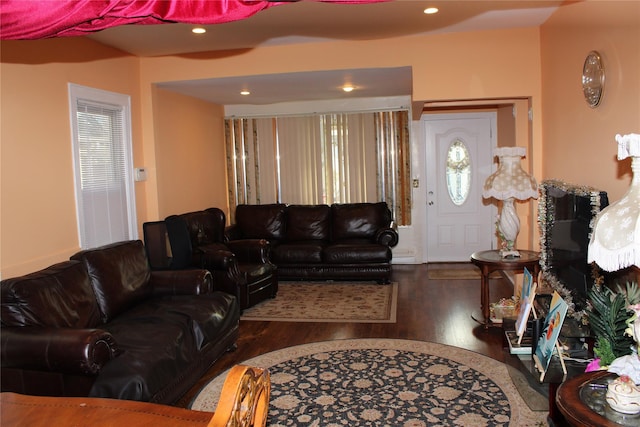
321,158
458,172
101,138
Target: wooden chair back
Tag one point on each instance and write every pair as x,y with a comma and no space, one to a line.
244,400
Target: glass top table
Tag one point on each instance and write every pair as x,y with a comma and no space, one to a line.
581,400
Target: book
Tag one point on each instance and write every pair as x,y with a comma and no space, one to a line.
548,341
517,344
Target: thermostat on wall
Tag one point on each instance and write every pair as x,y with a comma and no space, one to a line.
141,174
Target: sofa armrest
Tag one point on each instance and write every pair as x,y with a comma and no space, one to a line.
256,251
181,282
216,258
388,236
66,350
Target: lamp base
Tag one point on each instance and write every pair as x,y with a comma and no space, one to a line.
505,253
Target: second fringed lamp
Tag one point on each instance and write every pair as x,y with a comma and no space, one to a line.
509,183
615,241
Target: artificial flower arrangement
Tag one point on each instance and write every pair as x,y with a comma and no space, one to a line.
506,307
615,321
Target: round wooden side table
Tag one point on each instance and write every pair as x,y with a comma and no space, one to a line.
581,400
490,261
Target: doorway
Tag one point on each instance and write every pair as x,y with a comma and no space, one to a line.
458,161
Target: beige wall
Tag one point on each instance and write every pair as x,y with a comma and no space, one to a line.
38,217
488,64
579,145
38,220
189,166
476,66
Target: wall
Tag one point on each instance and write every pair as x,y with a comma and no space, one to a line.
502,63
38,215
481,65
579,145
190,165
38,223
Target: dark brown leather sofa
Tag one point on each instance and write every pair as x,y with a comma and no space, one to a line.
350,241
104,325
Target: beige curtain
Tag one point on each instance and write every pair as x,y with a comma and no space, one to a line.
325,158
394,163
251,166
349,157
300,160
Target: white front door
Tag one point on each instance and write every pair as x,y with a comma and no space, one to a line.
458,151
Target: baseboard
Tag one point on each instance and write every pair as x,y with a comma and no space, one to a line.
404,259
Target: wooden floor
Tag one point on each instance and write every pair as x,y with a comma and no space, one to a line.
428,310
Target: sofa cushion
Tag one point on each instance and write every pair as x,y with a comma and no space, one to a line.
298,252
119,275
308,222
60,296
261,221
356,252
205,226
358,220
160,339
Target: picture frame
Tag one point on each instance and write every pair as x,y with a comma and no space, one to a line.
527,297
548,342
527,284
523,317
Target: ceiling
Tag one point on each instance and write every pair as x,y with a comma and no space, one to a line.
315,22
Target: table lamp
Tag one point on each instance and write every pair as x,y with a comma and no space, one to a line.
508,183
615,240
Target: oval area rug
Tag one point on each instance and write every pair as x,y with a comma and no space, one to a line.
385,382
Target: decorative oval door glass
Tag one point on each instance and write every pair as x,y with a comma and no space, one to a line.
458,172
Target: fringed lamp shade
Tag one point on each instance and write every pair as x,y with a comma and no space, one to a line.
615,241
509,182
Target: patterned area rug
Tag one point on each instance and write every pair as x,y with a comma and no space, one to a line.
385,382
354,302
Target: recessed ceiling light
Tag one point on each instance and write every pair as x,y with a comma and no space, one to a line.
347,88
245,92
431,10
198,30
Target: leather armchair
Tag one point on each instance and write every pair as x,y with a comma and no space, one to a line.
241,268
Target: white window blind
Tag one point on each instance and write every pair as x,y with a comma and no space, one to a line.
103,165
321,158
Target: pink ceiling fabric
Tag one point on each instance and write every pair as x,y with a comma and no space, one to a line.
36,19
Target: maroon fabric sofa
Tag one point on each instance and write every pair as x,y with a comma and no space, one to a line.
104,325
350,241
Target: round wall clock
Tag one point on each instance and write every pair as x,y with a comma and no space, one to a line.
593,79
